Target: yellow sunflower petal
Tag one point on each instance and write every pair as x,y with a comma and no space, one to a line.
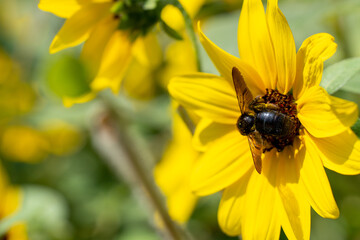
181,203
148,56
94,47
323,115
254,41
12,200
226,160
208,131
207,95
191,6
315,182
232,207
172,173
18,231
180,59
140,77
61,8
79,26
254,215
284,46
295,213
340,153
173,17
115,61
224,62
310,61
69,101
139,81
178,158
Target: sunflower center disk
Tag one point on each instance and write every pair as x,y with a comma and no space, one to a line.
287,106
136,16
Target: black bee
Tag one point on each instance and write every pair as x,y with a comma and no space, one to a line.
262,122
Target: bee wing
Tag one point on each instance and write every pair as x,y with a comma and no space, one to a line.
243,94
256,153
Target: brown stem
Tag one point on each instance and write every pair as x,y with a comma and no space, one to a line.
119,151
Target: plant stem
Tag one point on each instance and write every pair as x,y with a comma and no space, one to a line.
120,152
190,28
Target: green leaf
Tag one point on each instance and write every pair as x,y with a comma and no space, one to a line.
169,31
339,74
68,77
356,128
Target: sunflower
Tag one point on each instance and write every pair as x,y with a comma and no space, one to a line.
114,32
293,178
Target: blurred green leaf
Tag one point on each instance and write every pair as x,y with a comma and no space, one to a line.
137,233
339,74
68,77
351,211
171,32
356,128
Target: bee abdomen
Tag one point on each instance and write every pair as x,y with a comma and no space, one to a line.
273,123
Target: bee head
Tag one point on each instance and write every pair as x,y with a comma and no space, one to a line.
245,124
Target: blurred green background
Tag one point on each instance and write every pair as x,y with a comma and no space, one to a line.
46,149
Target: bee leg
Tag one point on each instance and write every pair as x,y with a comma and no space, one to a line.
267,149
256,101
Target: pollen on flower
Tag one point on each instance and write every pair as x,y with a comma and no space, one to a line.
287,106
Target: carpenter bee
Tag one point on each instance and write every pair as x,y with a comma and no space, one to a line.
264,122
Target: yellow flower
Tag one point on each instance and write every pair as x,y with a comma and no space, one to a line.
16,97
17,232
141,76
173,17
171,173
109,47
255,205
63,138
26,144
10,203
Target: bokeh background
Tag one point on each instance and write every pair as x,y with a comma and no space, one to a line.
49,164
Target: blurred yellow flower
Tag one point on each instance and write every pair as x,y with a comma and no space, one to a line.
179,59
17,232
254,205
10,203
173,17
26,144
140,79
171,173
62,138
23,143
143,78
114,36
16,97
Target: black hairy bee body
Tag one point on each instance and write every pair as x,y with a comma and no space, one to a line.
274,123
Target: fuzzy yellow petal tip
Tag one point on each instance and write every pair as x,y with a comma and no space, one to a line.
54,46
335,214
